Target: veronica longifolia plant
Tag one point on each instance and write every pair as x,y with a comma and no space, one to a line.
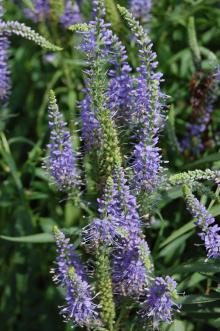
117,98
123,265
122,115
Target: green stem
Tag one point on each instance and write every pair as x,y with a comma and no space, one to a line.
122,314
193,43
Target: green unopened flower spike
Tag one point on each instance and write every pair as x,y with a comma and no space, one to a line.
79,27
20,29
104,287
191,176
110,155
134,25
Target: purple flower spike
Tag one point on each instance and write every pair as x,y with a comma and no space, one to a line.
141,9
119,228
103,231
132,266
99,39
69,274
159,304
146,166
61,163
79,307
129,223
91,131
130,276
5,82
147,117
71,14
66,257
210,232
98,233
119,93
41,10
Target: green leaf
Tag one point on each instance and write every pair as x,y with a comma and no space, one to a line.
205,267
20,140
8,159
174,244
174,193
35,238
191,281
29,4
203,315
40,237
185,228
215,211
198,299
177,325
207,159
35,195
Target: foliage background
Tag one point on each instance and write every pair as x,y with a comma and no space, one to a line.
29,205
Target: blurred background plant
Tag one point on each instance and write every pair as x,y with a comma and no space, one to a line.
30,205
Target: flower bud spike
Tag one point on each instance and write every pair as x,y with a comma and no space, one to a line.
20,29
104,287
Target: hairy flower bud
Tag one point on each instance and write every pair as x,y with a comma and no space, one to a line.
104,287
